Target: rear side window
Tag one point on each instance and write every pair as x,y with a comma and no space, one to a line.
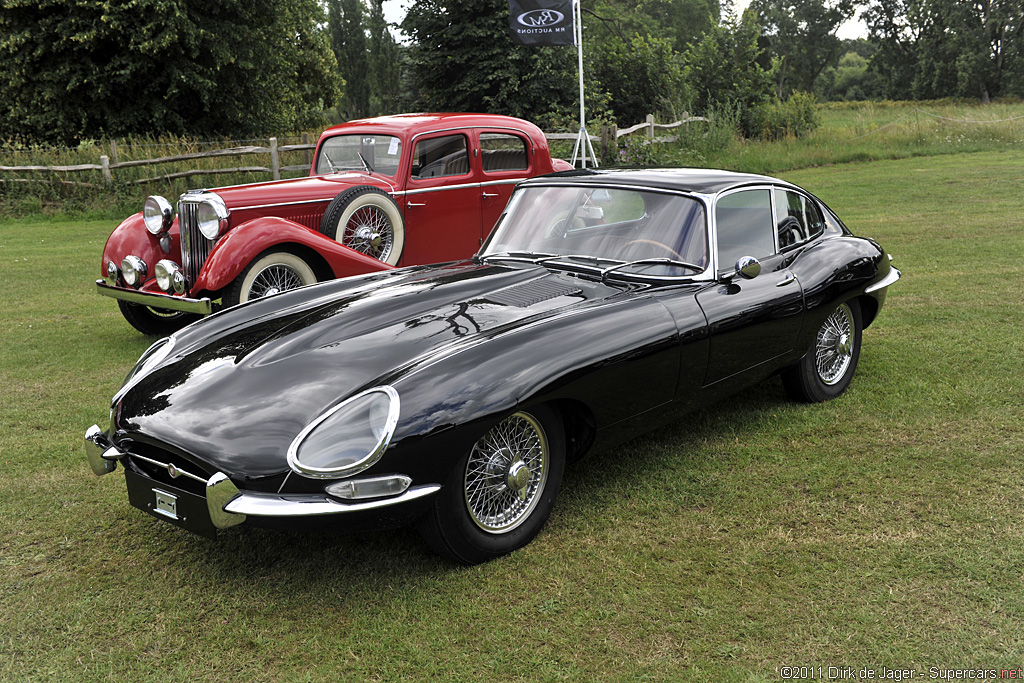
439,157
503,152
797,218
745,227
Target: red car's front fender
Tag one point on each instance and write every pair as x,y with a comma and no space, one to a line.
243,244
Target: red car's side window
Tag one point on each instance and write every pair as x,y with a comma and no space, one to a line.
440,157
503,152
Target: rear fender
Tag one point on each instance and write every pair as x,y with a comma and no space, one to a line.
243,244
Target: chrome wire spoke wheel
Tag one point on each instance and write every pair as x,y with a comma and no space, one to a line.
506,473
369,232
274,279
833,350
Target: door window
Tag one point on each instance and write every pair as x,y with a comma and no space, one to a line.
439,157
745,228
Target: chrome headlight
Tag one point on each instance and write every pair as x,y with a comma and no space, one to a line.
210,216
157,214
348,438
169,276
133,270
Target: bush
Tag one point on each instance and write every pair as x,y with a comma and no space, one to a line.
795,117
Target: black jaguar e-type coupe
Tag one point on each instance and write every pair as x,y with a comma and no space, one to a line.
602,304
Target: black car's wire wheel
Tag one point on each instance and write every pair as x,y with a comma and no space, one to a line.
501,492
271,273
827,368
367,220
506,473
833,348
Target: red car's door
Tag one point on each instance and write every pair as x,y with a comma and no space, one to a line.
505,158
442,200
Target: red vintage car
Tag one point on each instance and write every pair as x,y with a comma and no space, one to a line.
381,193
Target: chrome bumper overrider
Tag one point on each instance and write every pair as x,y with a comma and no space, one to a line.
892,277
228,506
202,306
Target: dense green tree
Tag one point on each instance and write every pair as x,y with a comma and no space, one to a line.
681,22
802,35
850,79
385,63
943,48
348,40
724,72
75,69
642,77
463,59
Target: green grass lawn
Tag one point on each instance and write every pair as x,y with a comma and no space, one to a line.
883,528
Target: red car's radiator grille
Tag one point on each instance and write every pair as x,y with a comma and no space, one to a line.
194,246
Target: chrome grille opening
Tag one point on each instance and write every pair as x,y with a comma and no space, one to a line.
195,248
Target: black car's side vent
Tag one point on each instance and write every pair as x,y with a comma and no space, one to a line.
530,293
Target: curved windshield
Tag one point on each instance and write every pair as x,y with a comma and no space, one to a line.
377,153
607,226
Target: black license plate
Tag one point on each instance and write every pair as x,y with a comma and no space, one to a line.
170,504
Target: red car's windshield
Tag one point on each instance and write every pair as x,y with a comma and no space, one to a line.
378,153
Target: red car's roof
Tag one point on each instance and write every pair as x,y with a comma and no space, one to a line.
414,124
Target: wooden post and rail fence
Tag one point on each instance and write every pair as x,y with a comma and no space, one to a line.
109,163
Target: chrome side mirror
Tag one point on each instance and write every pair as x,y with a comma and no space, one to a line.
748,267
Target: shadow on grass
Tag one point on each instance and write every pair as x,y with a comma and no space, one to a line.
292,566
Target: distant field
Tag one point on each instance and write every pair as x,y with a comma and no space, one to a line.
880,529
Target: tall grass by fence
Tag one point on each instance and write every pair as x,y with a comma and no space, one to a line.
110,163
41,180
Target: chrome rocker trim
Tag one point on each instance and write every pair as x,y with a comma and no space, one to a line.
228,506
892,277
202,306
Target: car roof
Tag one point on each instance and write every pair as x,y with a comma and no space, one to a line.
414,124
699,180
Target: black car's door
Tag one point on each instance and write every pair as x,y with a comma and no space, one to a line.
753,323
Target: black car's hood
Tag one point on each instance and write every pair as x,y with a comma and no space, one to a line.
238,388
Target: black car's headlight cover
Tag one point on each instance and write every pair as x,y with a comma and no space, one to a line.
348,438
152,356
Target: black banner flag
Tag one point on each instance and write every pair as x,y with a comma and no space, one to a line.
541,22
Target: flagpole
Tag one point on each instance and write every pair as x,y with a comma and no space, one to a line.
583,144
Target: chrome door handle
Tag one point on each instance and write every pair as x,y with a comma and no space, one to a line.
787,280
488,195
414,204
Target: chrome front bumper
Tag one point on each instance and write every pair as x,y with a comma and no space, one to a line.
202,306
229,506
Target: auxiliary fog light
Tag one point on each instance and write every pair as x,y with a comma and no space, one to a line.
113,272
370,487
133,269
169,276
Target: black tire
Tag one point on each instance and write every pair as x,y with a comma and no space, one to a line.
827,369
272,272
155,321
478,515
367,220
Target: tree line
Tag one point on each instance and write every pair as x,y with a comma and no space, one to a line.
72,70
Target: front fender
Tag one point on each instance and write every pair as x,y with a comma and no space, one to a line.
243,244
131,237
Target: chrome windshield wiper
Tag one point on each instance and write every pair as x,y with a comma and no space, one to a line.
330,164
366,164
527,256
653,262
